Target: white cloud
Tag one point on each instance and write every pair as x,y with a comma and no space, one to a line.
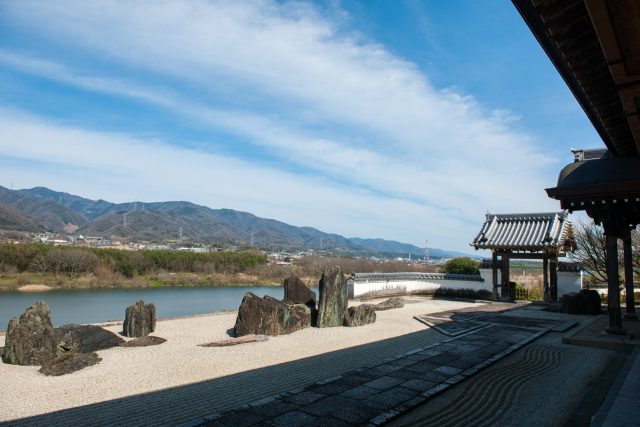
121,168
283,77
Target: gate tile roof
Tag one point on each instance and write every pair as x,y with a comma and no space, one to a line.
532,232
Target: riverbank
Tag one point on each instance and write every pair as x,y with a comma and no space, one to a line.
223,371
36,282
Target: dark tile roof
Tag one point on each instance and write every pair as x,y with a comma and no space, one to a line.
524,232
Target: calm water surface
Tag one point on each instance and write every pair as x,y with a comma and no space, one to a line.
101,305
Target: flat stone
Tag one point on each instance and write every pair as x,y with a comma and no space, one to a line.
84,339
361,392
304,397
448,370
391,398
418,384
68,363
391,303
384,383
144,341
293,419
236,341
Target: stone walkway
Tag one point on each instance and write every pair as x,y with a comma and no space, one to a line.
622,405
377,393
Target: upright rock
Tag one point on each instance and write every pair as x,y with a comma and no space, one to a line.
84,339
30,340
360,315
296,292
140,320
332,305
268,316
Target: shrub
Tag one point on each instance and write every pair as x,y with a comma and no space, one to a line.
461,265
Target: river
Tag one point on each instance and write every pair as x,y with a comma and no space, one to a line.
101,305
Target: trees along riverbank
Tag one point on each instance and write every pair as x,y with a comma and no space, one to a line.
82,267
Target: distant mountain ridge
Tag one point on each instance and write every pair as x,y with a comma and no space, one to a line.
40,208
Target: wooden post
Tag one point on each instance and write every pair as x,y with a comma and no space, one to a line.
494,266
545,277
553,277
630,312
504,291
613,291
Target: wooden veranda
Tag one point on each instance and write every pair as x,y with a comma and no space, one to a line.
595,46
544,236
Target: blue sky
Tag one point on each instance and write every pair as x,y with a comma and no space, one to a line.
404,120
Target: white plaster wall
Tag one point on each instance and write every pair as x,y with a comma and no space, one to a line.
487,276
370,288
569,282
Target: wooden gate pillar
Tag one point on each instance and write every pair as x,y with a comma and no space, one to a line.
630,312
545,277
612,230
553,277
494,276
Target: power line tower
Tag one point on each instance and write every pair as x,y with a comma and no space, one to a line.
426,250
252,239
180,234
320,242
124,219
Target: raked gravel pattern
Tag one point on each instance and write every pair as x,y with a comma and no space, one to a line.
178,381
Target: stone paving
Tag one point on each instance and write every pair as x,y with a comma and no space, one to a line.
377,393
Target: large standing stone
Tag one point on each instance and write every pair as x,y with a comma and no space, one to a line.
85,338
360,315
140,320
268,316
296,292
30,340
332,305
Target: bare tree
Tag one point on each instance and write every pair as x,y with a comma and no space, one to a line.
591,250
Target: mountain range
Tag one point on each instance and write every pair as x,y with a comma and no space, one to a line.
41,209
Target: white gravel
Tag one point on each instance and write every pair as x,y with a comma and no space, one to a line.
180,361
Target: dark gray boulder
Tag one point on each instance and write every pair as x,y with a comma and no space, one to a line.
296,292
584,302
140,320
85,339
268,316
30,340
333,301
68,363
144,342
391,303
360,315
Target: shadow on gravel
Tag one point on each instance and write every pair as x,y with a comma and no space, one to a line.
181,404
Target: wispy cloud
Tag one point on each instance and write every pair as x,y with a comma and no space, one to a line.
285,78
